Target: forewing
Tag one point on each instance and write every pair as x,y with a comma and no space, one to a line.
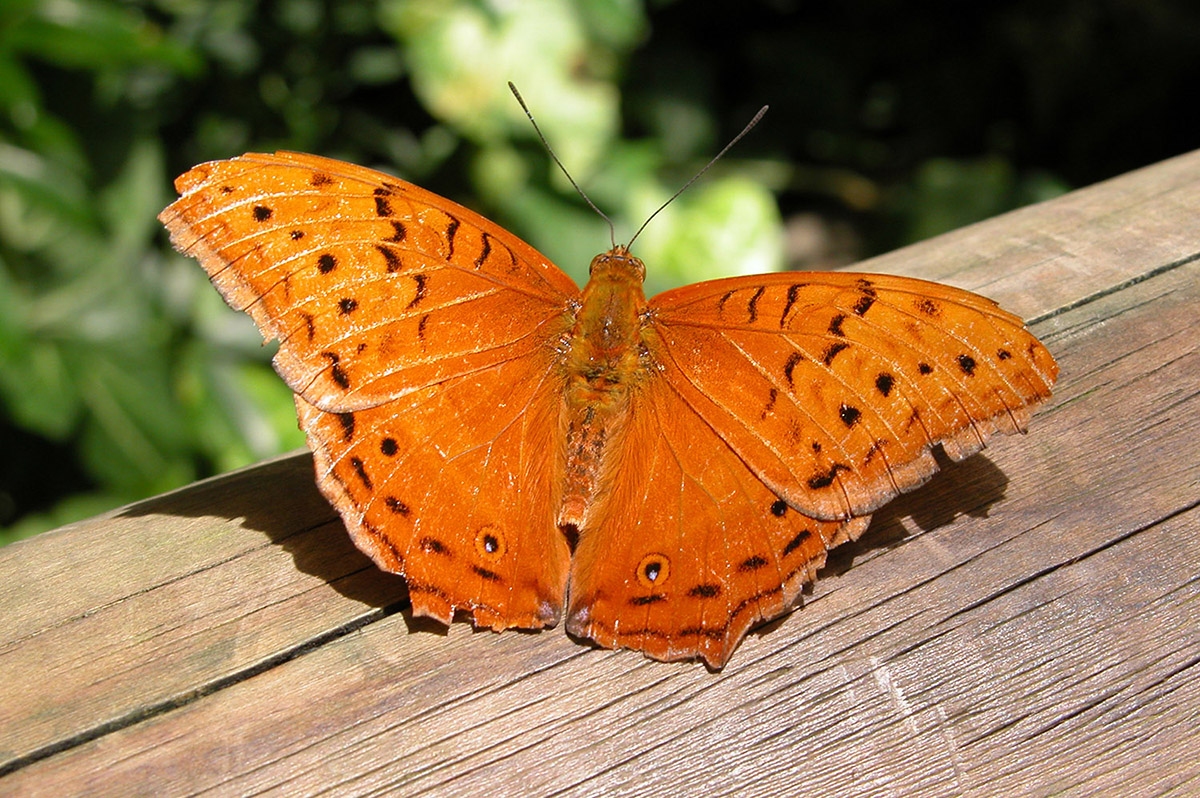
833,387
373,286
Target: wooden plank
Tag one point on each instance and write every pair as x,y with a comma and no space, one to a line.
118,620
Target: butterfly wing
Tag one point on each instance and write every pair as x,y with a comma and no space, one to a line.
834,387
420,340
689,549
373,286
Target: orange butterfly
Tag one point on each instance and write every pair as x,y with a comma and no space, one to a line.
496,436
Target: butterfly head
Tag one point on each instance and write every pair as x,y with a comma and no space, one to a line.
617,264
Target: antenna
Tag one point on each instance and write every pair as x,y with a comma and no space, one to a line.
612,234
749,126
611,229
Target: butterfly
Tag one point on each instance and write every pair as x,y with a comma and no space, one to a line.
667,472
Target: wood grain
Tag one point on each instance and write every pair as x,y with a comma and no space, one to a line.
1026,623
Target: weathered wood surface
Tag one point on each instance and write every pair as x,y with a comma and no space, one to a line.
1026,623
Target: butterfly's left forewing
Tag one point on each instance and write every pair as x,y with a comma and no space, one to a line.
834,387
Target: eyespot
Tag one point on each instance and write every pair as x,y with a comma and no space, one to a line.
490,543
653,571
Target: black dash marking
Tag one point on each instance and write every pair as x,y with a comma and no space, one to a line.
875,447
721,302
796,542
792,295
792,361
336,372
396,506
825,478
642,601
347,305
491,576
1004,354
832,352
706,590
326,263
928,307
752,563
771,397
393,260
434,545
779,508
320,179
753,306
700,631
261,213
924,368
421,326
483,253
388,447
865,285
864,304
419,294
850,415
835,326
347,422
361,470
884,383
451,231
382,206
399,232
967,364
816,447
227,189
310,326
296,235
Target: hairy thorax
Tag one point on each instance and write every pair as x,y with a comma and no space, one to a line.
605,361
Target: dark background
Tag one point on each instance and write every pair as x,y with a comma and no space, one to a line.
121,372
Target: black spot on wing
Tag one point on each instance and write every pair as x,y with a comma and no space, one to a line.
326,263
394,263
793,360
792,295
451,232
399,232
347,305
432,544
823,479
779,508
347,422
705,590
491,576
796,542
967,364
389,447
884,383
752,563
310,326
863,304
382,206
296,235
928,307
1004,354
261,213
849,415
361,470
832,352
752,307
419,293
924,368
396,506
641,601
835,325
320,179
484,251
336,372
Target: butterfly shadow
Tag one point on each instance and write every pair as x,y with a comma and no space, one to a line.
280,499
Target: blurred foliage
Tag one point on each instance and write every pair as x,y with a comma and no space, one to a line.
123,374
